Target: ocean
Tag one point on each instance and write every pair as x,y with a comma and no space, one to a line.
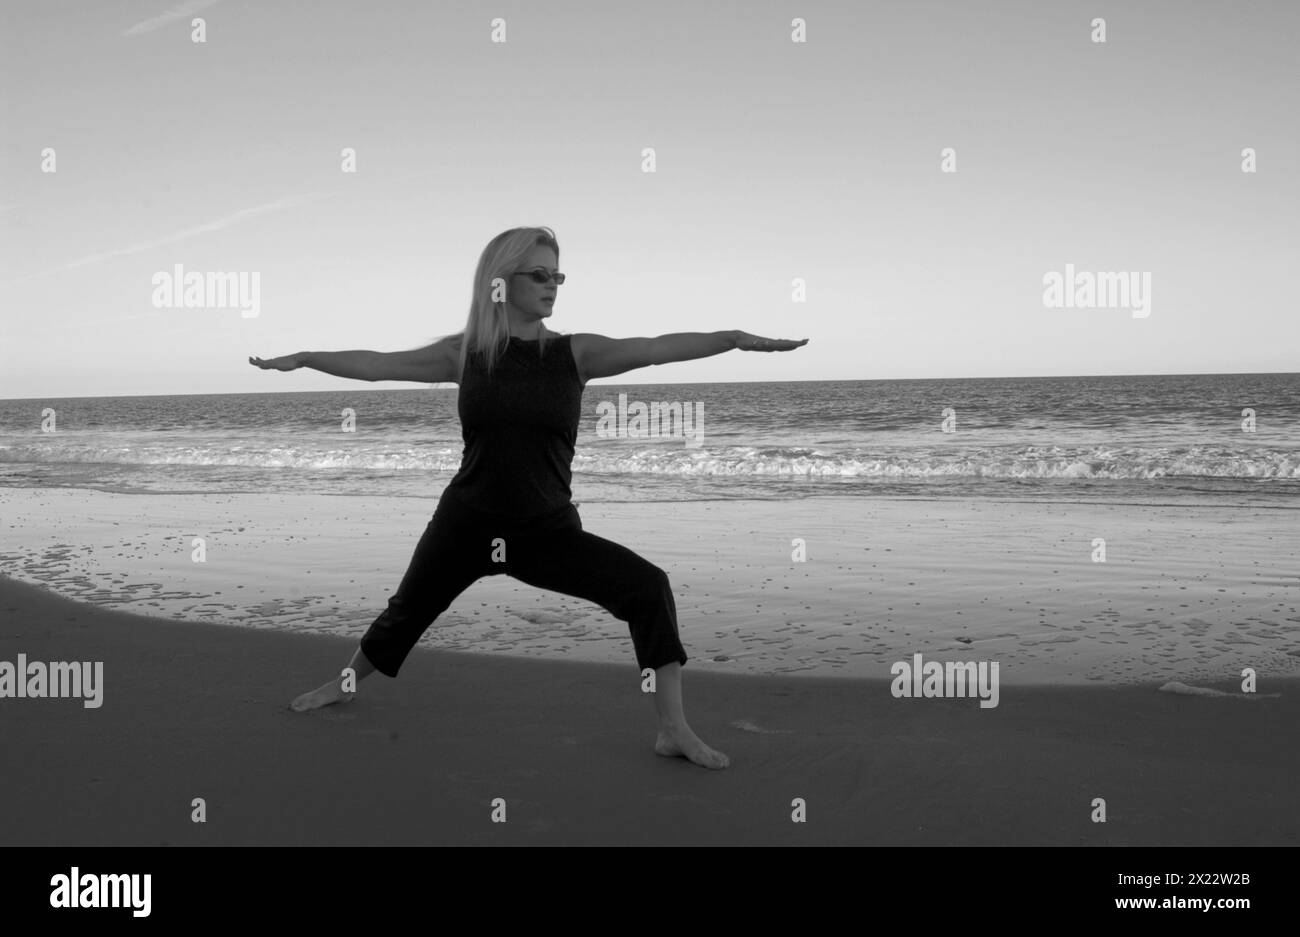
1147,439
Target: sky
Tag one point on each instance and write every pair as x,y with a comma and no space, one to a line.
775,161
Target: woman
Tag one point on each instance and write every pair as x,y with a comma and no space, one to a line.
509,509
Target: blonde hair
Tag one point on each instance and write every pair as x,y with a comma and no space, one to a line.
487,330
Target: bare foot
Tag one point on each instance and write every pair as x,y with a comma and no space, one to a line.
683,743
325,695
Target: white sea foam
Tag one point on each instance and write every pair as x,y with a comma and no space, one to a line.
737,461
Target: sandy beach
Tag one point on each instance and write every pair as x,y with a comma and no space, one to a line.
200,710
194,709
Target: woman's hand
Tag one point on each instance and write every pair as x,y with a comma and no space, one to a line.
747,342
285,363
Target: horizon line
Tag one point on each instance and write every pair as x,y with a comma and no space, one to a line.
864,380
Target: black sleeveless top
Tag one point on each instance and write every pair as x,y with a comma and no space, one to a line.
520,428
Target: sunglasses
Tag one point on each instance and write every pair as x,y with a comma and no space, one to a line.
539,275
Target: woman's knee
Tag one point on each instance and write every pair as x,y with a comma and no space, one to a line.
655,582
630,596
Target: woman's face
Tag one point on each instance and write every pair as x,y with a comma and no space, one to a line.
534,300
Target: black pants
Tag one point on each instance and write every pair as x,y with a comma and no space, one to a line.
552,552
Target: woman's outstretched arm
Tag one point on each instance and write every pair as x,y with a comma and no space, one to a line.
432,364
599,356
357,365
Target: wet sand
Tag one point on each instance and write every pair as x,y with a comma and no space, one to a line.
1187,594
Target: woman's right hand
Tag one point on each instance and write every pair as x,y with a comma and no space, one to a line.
747,342
285,363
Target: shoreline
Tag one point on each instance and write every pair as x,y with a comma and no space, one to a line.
826,587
